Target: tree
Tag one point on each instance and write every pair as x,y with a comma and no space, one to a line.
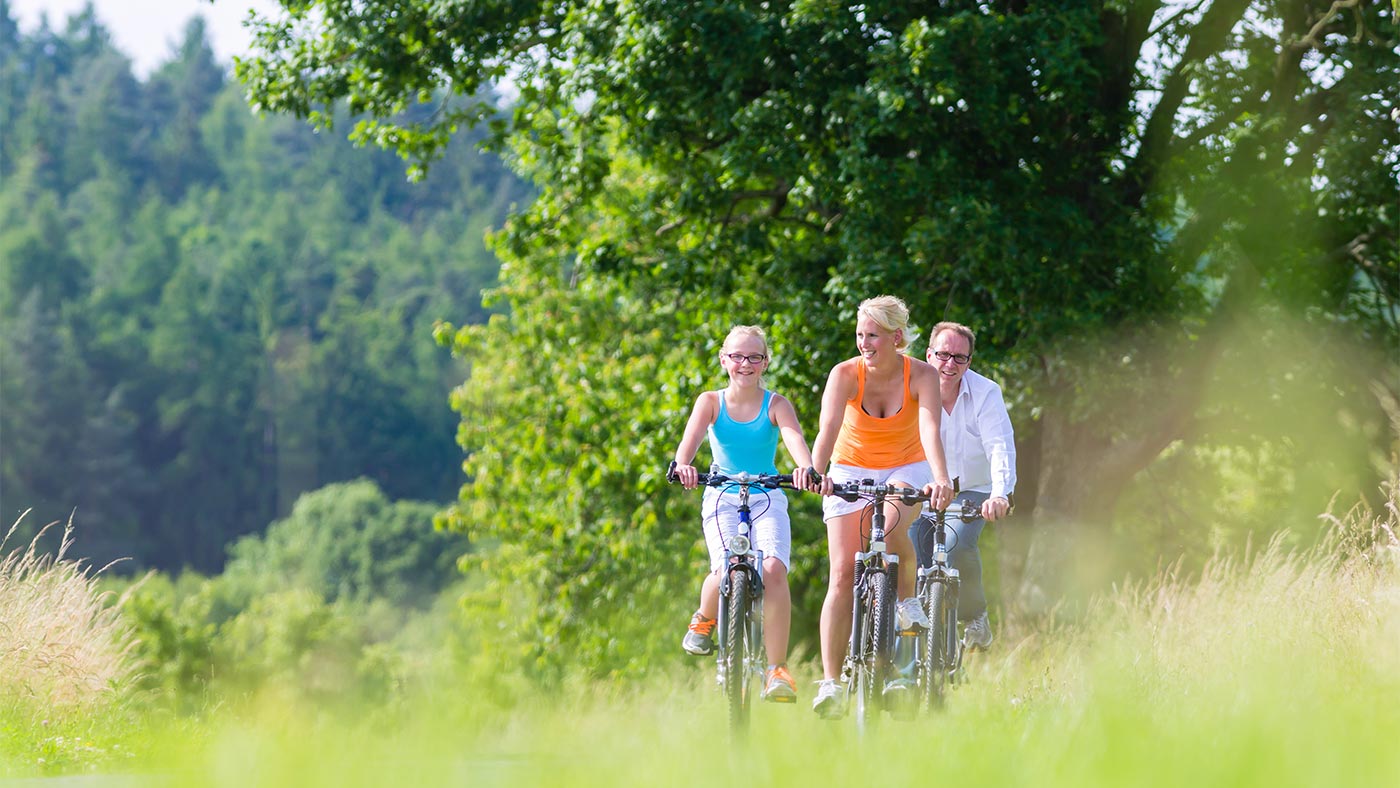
348,541
1086,182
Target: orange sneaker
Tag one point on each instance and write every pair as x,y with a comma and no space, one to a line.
780,687
698,638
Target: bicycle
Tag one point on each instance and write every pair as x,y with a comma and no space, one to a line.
740,656
869,664
938,650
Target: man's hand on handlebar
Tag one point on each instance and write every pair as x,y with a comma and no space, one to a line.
994,509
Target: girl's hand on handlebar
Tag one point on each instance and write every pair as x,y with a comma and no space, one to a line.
687,475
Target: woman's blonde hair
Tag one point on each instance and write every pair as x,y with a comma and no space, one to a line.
890,313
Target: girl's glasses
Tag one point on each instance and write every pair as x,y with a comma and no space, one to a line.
739,358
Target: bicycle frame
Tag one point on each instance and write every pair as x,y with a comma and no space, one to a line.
740,653
743,563
938,652
869,654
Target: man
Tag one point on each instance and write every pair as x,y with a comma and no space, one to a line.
981,452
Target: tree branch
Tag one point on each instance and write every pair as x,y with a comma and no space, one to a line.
1207,38
1311,40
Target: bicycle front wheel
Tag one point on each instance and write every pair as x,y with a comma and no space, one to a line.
933,672
883,628
736,674
873,661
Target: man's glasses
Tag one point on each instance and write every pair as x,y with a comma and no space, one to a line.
739,358
942,355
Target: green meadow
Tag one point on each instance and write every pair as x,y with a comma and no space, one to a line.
1273,667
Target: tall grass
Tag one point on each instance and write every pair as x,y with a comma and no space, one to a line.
64,655
1275,667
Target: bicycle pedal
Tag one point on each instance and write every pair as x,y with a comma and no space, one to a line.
780,698
911,632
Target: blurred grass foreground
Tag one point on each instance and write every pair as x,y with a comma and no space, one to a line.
1274,667
65,652
63,647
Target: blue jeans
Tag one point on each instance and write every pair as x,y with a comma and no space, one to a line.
962,554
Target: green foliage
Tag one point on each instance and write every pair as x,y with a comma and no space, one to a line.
348,541
322,604
1099,188
175,626
205,313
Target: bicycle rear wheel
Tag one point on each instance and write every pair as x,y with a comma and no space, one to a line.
933,671
736,674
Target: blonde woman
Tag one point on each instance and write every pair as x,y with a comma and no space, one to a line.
879,420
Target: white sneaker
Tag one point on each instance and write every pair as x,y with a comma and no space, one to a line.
978,633
909,614
895,688
830,702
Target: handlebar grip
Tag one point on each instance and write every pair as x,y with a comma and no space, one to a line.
967,511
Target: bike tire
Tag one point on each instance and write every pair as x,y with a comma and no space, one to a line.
953,658
933,668
861,656
883,628
736,675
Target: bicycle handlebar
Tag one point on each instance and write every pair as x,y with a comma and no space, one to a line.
851,491
967,512
769,480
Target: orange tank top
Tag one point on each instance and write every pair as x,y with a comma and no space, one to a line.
869,442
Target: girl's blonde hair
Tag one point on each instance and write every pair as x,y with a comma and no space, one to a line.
890,313
745,331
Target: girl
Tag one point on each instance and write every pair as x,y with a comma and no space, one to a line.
744,421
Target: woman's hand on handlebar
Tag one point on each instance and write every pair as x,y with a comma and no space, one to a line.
940,494
810,480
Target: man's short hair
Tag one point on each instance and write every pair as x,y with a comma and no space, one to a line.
957,328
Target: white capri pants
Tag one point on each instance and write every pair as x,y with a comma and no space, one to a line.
769,526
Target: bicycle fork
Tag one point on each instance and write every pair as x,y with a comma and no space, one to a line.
858,651
740,559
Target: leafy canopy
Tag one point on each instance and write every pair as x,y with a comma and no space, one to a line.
1084,182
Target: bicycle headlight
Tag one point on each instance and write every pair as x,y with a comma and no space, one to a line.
739,545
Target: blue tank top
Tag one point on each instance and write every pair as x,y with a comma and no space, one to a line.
747,447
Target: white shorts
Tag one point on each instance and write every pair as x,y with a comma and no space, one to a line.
769,526
915,474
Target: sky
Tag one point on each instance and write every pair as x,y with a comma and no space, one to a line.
147,31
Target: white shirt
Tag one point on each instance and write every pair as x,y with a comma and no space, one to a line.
978,440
